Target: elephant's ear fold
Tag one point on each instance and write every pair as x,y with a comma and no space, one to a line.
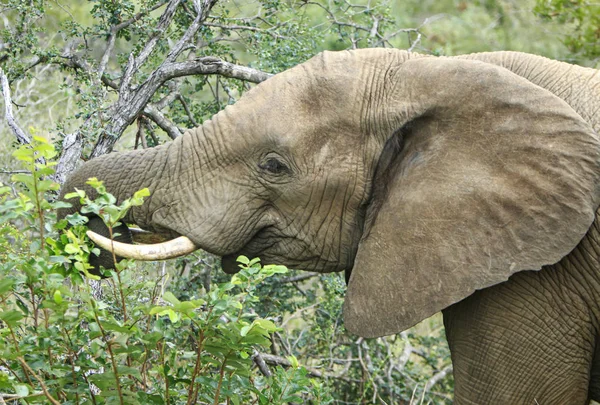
491,175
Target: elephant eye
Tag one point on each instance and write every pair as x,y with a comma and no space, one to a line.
274,166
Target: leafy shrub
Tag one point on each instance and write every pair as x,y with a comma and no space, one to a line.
184,335
62,343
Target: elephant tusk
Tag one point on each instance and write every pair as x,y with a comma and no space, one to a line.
160,251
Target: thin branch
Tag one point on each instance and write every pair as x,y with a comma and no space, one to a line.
163,24
75,62
437,378
139,15
44,388
187,110
299,277
107,52
210,65
282,361
13,171
22,137
163,122
260,363
248,28
170,97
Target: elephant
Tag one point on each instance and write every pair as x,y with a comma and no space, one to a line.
468,185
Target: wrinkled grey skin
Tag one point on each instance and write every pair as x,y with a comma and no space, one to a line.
468,185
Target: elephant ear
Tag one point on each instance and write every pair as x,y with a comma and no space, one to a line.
488,175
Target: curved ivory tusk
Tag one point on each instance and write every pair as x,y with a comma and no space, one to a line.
160,251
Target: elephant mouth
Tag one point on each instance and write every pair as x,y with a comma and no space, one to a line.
229,264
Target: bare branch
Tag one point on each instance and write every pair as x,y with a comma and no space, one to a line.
187,110
72,146
130,70
260,363
163,122
132,102
13,171
282,361
75,62
236,27
437,378
299,277
139,15
167,100
22,137
163,23
210,65
107,52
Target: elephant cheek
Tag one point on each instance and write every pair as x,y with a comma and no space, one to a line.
229,264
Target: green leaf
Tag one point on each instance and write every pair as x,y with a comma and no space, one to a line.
266,325
243,259
71,249
6,284
76,193
170,298
173,316
58,297
21,390
244,331
11,317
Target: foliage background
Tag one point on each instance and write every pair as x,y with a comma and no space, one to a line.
64,61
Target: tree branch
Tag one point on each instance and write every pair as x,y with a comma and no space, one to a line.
44,388
210,65
299,277
132,102
437,377
247,28
22,137
163,122
260,363
163,24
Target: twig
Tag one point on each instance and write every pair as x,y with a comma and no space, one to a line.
437,377
187,110
13,171
44,388
107,52
247,28
282,361
299,277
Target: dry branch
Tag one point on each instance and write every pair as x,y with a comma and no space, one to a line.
260,363
437,377
299,277
163,122
210,65
22,137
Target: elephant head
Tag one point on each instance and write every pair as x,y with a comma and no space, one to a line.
423,178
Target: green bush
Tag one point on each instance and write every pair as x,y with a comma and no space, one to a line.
62,343
173,335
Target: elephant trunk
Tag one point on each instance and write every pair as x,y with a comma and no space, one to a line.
123,174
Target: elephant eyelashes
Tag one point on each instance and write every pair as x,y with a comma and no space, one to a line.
274,166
